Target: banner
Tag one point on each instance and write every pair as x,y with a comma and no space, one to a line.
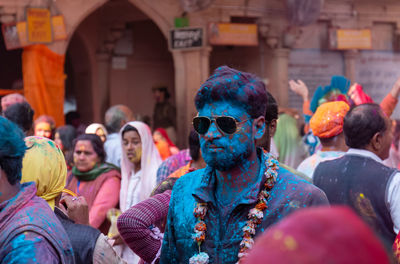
15,35
233,34
59,30
344,39
43,74
39,25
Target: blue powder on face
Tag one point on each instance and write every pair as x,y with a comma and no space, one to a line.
235,148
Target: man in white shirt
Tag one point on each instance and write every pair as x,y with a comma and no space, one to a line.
359,179
116,117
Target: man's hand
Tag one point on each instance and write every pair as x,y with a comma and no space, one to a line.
299,88
117,239
76,208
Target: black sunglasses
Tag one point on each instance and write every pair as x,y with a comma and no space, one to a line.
226,124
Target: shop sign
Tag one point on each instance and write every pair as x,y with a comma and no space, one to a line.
234,34
39,25
119,63
344,39
15,35
186,38
59,30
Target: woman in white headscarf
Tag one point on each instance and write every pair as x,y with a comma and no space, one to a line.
139,164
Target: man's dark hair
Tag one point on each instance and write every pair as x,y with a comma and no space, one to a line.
163,89
194,145
21,114
67,135
361,123
12,150
97,144
71,116
272,109
240,88
129,128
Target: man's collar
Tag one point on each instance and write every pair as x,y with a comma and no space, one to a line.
364,153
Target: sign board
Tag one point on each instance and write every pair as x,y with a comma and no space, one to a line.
344,39
10,35
15,35
186,38
39,25
119,63
22,33
233,34
59,31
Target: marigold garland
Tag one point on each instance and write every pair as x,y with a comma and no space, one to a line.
255,217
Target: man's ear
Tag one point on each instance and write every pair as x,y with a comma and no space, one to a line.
272,127
376,141
259,127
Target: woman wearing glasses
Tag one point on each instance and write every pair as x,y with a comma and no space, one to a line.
139,164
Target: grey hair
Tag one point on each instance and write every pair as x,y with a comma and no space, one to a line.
116,116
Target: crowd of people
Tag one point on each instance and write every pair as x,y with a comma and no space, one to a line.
256,185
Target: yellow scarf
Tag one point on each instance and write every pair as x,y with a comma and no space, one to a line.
45,165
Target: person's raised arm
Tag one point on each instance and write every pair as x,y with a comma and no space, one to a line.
300,88
390,101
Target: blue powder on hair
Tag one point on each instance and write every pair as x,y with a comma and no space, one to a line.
11,139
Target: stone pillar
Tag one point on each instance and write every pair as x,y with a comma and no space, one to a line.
191,70
100,88
350,58
276,70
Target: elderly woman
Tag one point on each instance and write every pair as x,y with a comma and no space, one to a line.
44,164
92,178
139,164
97,129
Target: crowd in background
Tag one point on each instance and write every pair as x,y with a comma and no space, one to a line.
108,188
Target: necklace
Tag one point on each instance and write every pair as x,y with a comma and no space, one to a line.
255,216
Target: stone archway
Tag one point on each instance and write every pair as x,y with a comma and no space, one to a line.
148,63
191,68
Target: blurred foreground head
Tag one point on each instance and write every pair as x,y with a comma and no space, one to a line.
319,235
12,150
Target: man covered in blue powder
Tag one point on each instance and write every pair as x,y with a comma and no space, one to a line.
216,212
29,230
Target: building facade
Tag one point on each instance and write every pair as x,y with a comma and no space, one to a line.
117,50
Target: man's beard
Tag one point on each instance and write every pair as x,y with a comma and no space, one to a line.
225,161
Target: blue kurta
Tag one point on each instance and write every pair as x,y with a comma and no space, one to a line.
224,223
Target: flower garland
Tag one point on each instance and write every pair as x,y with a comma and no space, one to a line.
255,216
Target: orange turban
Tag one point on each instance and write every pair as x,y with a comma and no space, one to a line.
327,121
